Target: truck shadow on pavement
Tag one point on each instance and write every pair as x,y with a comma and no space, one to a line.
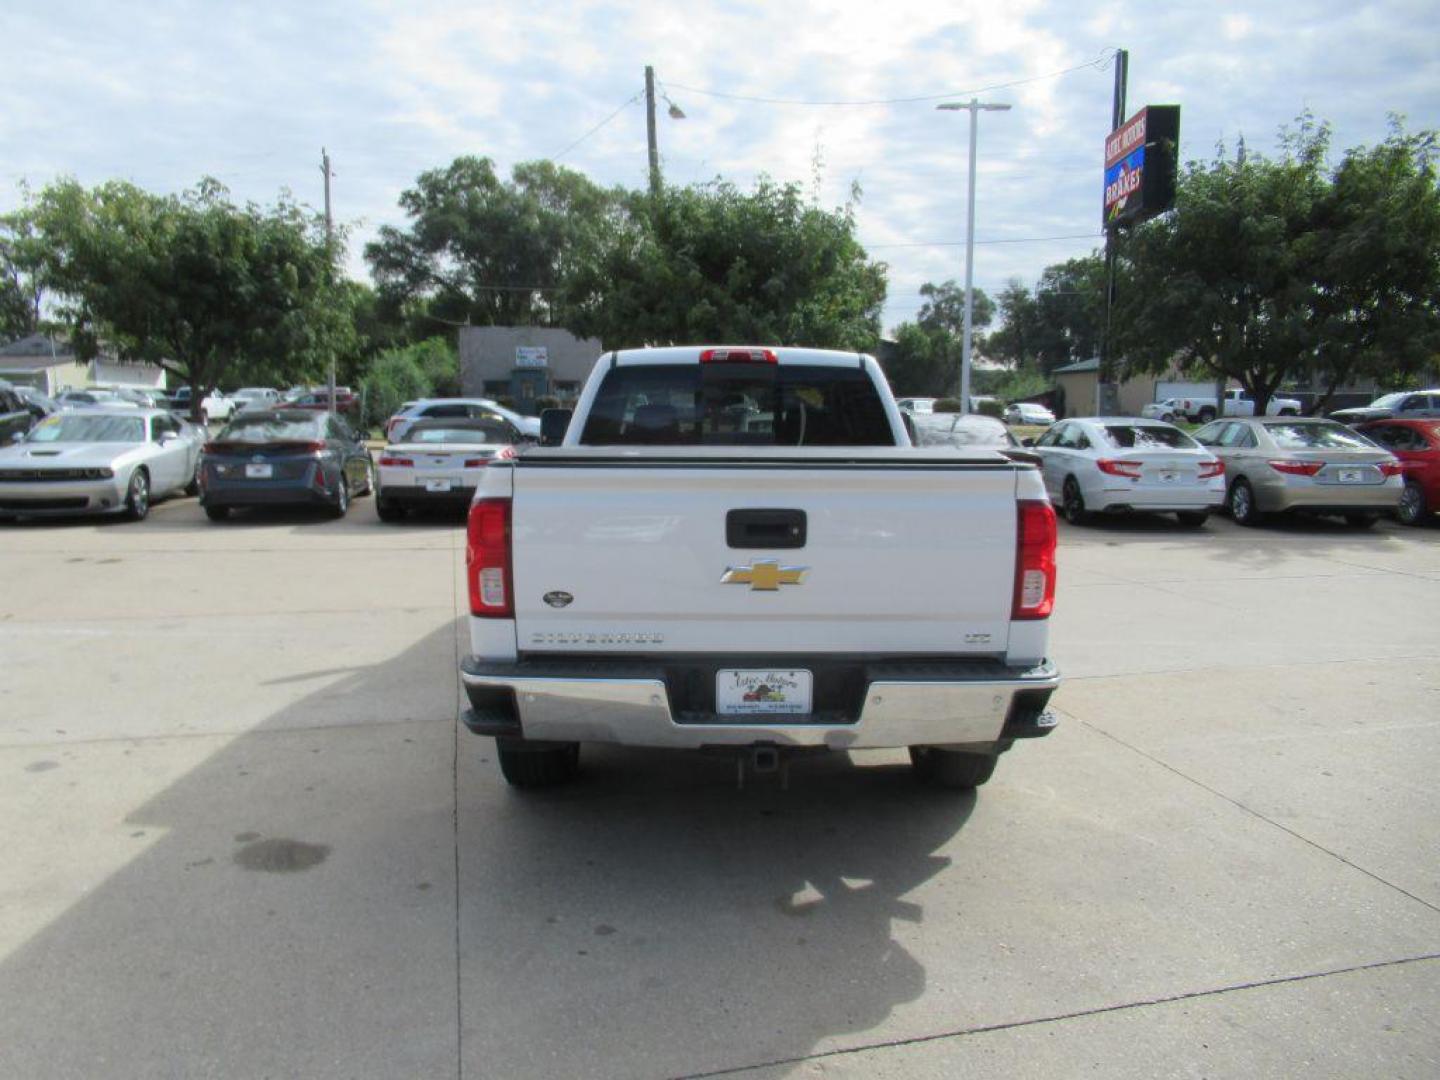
284,901
692,926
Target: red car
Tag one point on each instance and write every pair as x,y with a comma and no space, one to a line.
1417,444
319,400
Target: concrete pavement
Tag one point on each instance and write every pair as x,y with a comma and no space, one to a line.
244,839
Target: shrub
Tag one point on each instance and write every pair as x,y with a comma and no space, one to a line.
990,407
394,378
947,404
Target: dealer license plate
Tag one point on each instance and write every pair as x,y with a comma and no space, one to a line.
1351,476
771,690
259,472
437,485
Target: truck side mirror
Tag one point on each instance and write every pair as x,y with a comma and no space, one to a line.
553,425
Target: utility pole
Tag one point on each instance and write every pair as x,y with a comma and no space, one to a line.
329,255
650,129
1117,117
973,106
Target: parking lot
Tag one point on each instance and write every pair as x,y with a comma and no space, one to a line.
243,837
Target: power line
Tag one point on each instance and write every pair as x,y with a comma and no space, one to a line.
623,106
1010,240
1104,58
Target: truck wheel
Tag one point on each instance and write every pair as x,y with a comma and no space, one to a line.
1207,414
956,769
1242,504
1193,518
524,766
1073,503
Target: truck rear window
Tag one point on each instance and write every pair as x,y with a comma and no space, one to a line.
737,405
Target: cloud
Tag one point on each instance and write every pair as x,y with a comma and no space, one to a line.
166,92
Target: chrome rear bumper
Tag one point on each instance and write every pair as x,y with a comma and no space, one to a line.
943,705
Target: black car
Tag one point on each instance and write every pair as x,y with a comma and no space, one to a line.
15,416
284,457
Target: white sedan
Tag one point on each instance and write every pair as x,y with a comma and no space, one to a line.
1029,412
1167,410
1124,464
440,463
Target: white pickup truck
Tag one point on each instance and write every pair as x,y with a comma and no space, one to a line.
737,549
1202,409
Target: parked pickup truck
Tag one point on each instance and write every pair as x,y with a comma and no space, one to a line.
738,549
1237,403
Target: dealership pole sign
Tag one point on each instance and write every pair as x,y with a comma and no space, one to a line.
1140,163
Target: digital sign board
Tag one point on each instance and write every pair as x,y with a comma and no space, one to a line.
1140,159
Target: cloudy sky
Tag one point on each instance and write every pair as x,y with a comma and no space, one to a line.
164,92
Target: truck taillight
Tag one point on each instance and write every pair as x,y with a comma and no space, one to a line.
1034,560
738,356
487,559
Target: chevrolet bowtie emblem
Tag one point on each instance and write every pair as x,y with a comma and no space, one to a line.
765,575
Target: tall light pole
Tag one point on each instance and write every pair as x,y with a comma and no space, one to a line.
972,106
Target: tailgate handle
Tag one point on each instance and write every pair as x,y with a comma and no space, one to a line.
765,528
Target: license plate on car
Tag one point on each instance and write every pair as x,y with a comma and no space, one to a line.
259,472
437,485
1351,476
771,690
1169,477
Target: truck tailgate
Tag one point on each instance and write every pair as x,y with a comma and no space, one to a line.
902,553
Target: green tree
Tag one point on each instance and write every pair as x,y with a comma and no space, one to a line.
944,309
1269,271
919,364
480,250
1377,312
1059,323
22,261
207,290
393,379
713,263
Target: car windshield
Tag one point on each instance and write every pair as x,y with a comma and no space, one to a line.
1148,437
1317,436
962,431
477,435
272,428
73,427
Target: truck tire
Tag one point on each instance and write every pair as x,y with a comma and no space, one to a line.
959,770
531,767
1206,414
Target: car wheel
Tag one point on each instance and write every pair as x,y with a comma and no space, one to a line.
369,488
388,511
1169,418
1193,518
1072,503
959,770
137,496
217,513
526,766
1206,415
342,496
1361,521
1411,510
1242,503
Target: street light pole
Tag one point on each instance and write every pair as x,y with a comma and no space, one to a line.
973,106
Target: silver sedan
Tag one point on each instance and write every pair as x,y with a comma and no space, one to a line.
99,461
1124,464
1284,464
